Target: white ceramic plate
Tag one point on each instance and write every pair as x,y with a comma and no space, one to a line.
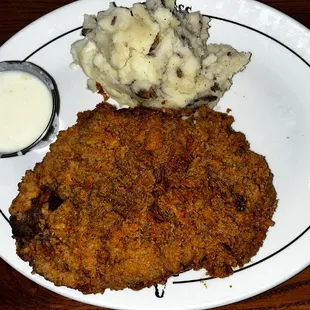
270,101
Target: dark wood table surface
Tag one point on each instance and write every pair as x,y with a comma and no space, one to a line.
19,293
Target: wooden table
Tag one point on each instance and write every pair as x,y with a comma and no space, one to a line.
19,293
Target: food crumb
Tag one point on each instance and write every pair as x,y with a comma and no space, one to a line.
204,284
230,286
102,92
228,110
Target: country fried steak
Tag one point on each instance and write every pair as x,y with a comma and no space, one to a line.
130,197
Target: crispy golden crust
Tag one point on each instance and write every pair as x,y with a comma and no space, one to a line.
128,198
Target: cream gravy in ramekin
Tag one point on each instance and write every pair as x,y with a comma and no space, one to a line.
26,107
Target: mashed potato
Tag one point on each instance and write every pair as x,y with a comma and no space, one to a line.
155,54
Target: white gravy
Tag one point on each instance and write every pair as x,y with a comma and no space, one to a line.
25,109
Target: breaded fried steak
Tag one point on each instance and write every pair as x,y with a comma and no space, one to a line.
127,198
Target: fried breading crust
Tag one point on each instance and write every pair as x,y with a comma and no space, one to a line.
128,198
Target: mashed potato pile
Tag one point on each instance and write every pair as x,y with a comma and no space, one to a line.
155,54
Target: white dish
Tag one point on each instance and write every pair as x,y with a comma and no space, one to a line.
270,103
